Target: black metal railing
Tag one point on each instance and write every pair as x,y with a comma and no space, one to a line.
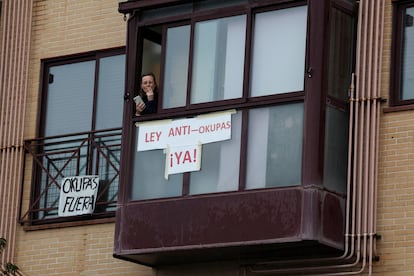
53,158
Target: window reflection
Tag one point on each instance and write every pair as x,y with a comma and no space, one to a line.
176,66
341,54
111,91
274,152
70,98
278,62
218,59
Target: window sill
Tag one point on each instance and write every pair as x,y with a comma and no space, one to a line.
398,108
68,224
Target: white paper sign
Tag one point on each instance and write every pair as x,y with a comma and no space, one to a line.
78,195
182,139
202,129
182,159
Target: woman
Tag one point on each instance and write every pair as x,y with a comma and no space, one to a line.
148,94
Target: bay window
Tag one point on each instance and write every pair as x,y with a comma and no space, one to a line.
264,62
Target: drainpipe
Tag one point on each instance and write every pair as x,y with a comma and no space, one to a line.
16,30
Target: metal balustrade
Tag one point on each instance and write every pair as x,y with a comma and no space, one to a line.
54,158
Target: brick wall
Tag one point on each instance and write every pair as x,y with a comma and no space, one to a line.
395,221
72,251
62,27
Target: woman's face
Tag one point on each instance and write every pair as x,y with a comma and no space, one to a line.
147,83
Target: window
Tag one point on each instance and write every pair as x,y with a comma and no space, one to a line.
206,69
266,63
80,129
402,82
278,57
275,146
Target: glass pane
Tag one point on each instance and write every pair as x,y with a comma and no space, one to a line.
274,152
408,57
341,54
110,92
218,59
70,98
148,176
336,150
279,45
176,67
219,164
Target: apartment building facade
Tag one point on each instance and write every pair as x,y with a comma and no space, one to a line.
282,142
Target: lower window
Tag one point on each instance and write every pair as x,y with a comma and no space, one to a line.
271,153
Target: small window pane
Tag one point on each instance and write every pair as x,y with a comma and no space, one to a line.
70,98
148,177
274,153
220,164
176,67
341,54
218,59
336,150
279,51
408,56
110,92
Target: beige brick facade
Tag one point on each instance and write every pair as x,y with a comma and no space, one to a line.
63,27
84,250
395,216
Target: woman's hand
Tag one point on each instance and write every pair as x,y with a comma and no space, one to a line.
140,106
150,93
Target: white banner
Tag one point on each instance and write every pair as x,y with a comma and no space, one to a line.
202,129
182,139
78,195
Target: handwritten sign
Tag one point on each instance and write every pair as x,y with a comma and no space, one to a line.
183,159
78,195
182,139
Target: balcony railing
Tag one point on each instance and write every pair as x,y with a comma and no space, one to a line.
53,158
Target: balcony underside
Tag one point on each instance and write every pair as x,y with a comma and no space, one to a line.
283,223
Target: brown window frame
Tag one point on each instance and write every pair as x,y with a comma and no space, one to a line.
398,22
46,148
